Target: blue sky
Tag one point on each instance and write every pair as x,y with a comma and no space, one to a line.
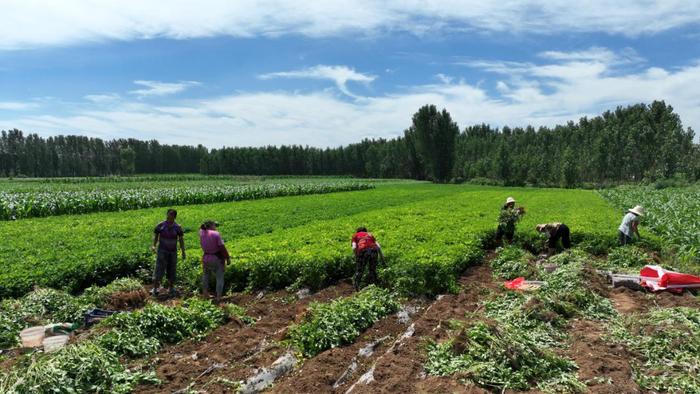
333,72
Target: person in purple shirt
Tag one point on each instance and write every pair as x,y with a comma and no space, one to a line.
214,258
166,236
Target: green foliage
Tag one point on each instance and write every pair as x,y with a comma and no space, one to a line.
629,258
59,202
434,133
142,332
43,306
100,295
671,213
39,307
666,345
80,368
429,233
512,349
340,321
238,312
567,290
606,149
75,252
512,262
502,356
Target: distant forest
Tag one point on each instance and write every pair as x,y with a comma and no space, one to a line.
630,144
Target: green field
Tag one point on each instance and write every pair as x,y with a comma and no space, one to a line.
431,235
304,239
26,199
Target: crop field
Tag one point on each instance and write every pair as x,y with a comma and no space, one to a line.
439,319
672,213
24,199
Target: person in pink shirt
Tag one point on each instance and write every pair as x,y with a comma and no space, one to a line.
215,257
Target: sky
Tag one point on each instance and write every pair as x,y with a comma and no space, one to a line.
328,73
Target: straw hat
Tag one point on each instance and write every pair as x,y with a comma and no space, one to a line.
638,210
539,227
510,200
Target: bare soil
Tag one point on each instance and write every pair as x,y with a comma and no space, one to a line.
401,369
630,301
234,351
603,365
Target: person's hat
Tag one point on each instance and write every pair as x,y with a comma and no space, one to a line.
510,200
209,223
539,227
638,210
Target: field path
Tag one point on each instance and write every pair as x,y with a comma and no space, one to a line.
401,369
234,350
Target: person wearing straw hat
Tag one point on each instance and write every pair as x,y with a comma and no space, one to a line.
506,220
629,225
555,232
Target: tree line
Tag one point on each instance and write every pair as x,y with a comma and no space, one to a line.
630,144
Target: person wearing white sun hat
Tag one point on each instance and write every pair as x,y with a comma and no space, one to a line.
506,220
629,225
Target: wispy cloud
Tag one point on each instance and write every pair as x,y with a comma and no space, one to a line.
546,93
340,75
17,106
157,88
34,23
102,98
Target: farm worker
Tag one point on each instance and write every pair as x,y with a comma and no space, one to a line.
166,236
367,250
629,225
506,220
215,257
554,232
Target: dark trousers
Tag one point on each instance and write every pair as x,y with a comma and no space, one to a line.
367,257
505,231
562,233
624,239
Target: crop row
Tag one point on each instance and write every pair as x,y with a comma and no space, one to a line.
93,364
671,213
75,252
341,321
429,234
39,204
46,306
511,345
427,244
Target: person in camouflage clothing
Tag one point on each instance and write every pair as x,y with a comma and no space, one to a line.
507,219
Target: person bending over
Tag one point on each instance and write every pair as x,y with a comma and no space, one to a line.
555,232
367,251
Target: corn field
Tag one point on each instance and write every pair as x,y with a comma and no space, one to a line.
672,213
18,205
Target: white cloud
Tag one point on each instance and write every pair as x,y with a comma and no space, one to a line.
16,106
157,88
102,98
446,79
341,75
547,93
34,23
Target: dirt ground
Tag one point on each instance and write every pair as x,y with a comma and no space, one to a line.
235,351
630,301
604,366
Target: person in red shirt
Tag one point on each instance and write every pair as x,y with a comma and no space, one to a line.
367,251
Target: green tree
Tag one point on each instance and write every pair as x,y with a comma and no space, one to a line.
127,162
435,140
